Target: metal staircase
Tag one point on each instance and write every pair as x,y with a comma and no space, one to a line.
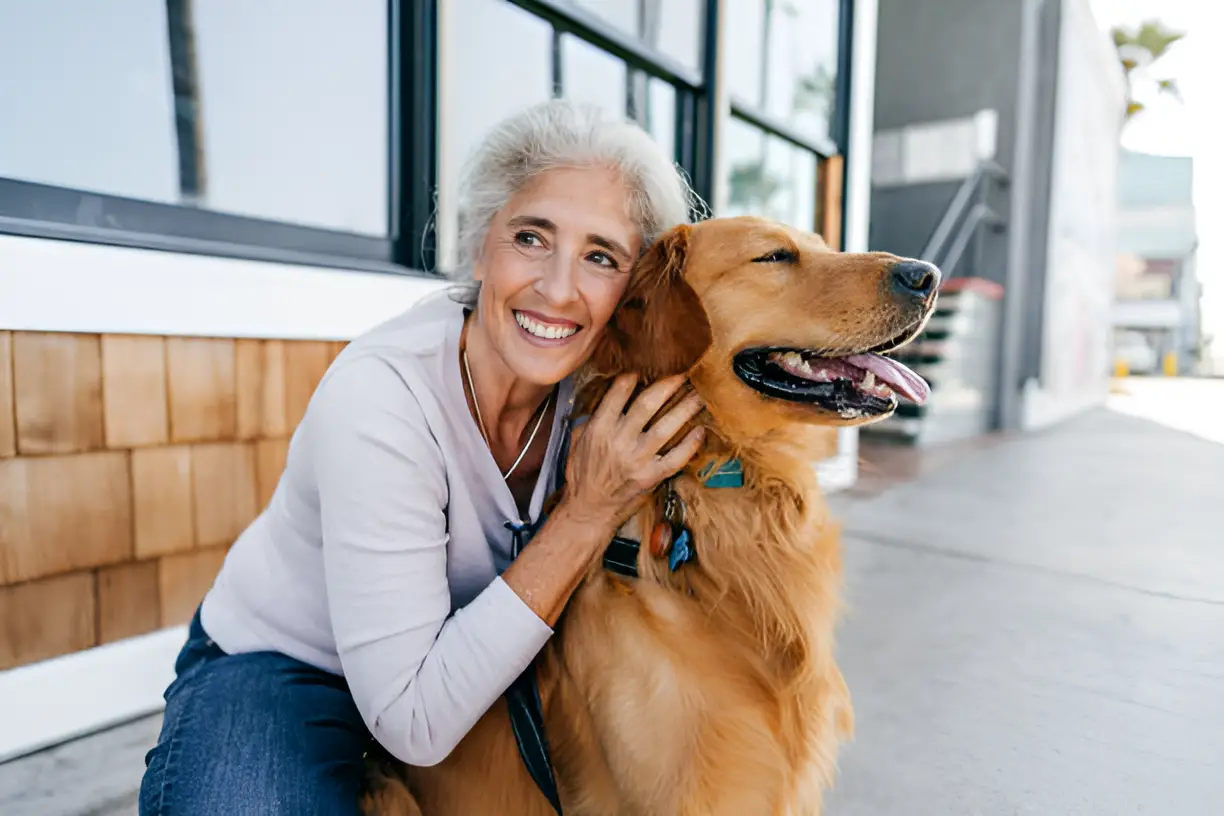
958,350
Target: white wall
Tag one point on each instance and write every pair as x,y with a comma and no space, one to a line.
1082,254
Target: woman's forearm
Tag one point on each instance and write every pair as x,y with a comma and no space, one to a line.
550,568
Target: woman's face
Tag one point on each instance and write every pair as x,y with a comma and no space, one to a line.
553,267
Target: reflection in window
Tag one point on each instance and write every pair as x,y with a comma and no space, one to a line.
769,177
86,97
276,109
592,76
479,95
652,104
671,27
783,60
293,101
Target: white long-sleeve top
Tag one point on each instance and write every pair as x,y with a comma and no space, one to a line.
379,555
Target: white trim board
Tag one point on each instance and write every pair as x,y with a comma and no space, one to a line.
52,701
50,285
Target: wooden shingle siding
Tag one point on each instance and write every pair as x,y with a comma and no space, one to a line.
8,427
57,385
128,466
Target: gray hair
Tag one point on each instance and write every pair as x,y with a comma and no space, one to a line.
563,134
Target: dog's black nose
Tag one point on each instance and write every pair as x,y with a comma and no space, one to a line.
915,278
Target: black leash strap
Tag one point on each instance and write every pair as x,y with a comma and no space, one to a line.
527,722
523,696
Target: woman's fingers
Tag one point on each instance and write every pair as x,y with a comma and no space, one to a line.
612,406
671,422
650,401
679,456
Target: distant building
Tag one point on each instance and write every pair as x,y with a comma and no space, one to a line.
1156,311
997,129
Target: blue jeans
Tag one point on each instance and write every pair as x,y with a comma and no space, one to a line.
256,733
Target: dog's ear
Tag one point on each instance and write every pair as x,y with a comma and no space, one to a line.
661,328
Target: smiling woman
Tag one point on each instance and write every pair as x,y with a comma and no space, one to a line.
382,593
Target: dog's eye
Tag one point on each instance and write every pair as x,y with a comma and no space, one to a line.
777,256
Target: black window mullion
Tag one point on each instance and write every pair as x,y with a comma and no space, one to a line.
776,127
840,129
587,26
686,142
414,130
705,111
558,65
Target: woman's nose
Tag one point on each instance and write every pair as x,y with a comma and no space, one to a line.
559,283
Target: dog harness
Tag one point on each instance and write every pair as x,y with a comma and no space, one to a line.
621,558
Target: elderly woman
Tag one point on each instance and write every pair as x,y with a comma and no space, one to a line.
378,593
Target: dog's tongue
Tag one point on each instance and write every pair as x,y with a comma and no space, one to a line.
898,377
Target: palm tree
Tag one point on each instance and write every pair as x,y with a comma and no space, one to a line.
1138,49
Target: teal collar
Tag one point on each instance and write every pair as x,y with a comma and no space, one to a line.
730,474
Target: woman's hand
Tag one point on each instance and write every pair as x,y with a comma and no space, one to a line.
613,461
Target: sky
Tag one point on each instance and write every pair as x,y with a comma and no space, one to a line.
1169,127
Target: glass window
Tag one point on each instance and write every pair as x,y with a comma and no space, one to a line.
276,109
671,27
783,60
592,76
86,97
652,104
294,110
477,96
769,177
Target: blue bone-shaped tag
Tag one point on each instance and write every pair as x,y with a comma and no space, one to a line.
681,549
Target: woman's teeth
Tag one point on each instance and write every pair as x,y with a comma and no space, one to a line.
544,331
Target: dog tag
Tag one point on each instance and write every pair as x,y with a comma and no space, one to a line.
681,549
660,539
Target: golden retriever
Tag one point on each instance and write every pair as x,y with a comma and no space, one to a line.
711,690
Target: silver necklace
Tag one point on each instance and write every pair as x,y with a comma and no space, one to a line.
480,420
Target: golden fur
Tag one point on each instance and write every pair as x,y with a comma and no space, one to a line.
712,690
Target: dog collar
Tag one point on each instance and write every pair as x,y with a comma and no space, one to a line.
730,474
621,556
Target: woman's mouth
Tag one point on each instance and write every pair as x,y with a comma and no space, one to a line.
550,330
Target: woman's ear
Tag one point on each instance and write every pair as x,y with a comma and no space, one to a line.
660,328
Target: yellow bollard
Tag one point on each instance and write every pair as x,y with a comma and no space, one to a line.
1169,364
1121,369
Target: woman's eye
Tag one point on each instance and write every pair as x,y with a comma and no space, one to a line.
528,239
603,259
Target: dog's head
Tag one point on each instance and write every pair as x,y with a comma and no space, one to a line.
771,325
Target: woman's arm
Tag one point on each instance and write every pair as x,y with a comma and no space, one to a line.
611,464
420,676
422,679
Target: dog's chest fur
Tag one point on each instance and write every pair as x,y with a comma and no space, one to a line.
673,694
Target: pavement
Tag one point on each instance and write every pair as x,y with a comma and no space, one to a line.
1035,626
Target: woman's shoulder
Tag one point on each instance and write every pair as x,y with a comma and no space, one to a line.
399,367
418,331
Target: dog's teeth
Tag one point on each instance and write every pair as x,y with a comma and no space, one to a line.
806,366
869,380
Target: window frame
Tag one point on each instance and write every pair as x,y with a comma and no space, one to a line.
831,152
64,213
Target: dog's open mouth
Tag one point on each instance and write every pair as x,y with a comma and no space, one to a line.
855,385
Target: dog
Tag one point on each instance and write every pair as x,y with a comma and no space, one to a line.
709,687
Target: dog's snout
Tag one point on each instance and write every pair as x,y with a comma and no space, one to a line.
915,278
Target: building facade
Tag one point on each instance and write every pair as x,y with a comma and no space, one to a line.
997,143
200,203
1156,320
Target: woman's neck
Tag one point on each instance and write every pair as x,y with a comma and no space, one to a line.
506,403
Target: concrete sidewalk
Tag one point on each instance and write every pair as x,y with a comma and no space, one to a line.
1037,627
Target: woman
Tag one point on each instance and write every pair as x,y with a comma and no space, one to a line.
378,593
